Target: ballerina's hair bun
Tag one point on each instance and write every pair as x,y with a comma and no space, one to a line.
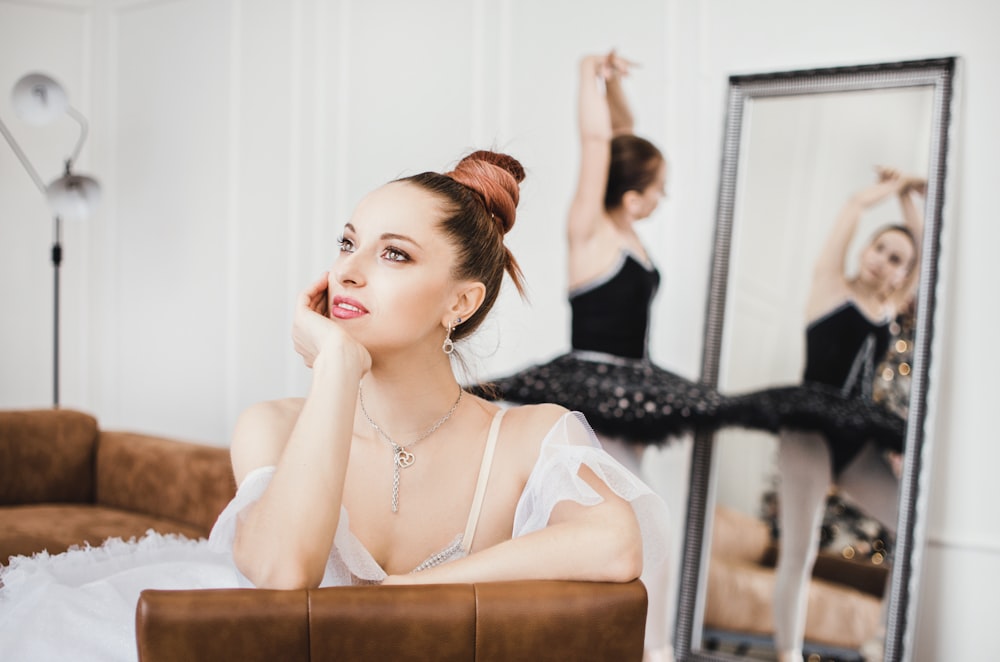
496,178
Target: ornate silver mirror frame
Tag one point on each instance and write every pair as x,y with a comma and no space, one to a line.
936,77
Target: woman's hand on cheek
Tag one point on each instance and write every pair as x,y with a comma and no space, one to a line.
310,322
313,330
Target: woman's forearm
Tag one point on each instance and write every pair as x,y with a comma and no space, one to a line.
913,219
284,540
830,261
594,113
622,121
603,545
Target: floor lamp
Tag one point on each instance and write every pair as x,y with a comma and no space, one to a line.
38,99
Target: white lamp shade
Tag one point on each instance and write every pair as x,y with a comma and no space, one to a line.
38,99
74,197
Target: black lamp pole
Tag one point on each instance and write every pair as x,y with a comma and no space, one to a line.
56,262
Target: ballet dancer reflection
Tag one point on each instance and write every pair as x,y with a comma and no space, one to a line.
830,431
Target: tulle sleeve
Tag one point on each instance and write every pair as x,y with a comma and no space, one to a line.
570,444
249,491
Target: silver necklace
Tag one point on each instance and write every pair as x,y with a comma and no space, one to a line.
402,457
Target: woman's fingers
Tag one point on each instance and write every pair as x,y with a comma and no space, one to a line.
886,173
315,296
918,184
308,326
619,64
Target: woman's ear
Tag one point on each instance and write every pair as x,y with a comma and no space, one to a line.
632,203
469,297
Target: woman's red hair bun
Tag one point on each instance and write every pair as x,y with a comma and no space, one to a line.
496,178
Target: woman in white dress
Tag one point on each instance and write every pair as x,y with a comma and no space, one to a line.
386,471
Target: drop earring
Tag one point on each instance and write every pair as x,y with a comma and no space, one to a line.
449,346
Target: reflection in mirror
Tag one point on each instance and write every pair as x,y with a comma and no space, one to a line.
802,510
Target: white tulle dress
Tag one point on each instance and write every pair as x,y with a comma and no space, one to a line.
80,605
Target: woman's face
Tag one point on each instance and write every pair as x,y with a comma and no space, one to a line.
389,285
652,194
887,260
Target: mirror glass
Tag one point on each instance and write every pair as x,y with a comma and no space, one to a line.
816,165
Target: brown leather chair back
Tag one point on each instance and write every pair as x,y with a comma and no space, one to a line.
492,622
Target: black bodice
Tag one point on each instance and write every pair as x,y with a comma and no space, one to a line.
842,349
611,315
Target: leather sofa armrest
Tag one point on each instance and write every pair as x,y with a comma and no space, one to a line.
520,620
47,456
179,480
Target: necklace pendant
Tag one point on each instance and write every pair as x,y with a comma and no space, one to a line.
404,458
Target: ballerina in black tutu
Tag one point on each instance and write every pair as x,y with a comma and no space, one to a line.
830,430
629,401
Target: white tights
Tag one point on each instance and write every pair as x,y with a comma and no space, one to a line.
805,476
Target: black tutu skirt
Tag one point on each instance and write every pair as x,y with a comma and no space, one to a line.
846,422
630,399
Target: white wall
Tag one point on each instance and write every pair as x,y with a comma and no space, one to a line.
232,138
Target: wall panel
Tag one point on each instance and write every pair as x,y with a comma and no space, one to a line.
263,186
171,168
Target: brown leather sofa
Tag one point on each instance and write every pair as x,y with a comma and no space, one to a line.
64,482
488,622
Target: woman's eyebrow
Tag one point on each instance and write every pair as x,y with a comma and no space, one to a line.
386,236
399,237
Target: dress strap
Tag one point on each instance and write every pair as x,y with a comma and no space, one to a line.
484,478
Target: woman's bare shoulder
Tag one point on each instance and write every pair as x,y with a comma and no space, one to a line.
278,409
528,425
261,432
269,416
522,431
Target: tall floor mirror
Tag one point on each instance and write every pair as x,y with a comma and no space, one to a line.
804,516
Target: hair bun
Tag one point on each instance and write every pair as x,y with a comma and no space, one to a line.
496,178
500,160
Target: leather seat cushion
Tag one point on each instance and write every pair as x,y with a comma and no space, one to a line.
31,528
